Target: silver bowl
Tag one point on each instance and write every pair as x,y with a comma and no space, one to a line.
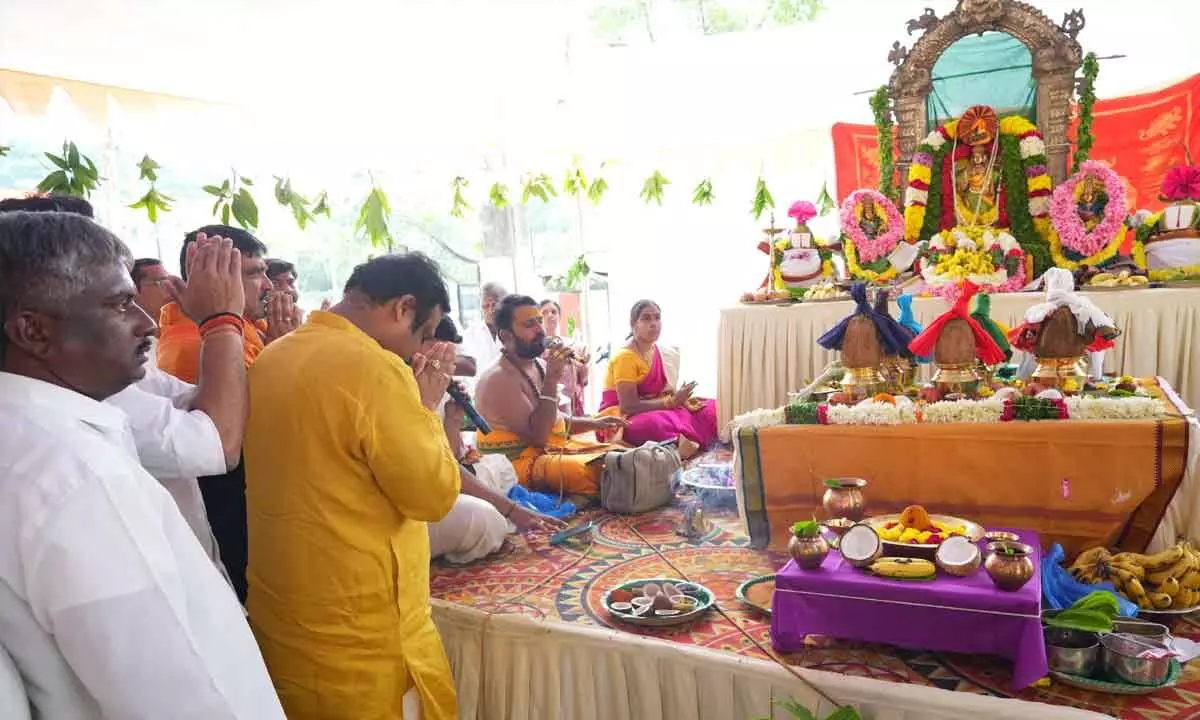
1121,662
1072,651
1142,628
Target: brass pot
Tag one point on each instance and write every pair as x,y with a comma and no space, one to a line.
863,382
899,372
1055,371
808,551
845,500
956,377
986,372
1009,565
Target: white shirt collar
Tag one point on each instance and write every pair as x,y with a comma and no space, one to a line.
22,390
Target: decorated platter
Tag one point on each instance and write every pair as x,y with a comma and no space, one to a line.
681,602
1116,687
972,531
756,593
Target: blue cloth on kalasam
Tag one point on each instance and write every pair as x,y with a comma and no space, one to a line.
541,502
908,320
891,339
1061,590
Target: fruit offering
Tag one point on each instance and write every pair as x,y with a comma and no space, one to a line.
904,568
1169,580
1122,279
824,290
915,527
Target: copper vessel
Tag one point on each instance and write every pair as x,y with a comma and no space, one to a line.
1009,565
1055,371
808,551
845,500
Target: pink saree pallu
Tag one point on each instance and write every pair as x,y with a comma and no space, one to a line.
697,421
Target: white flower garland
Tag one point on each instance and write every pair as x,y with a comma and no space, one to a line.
1109,408
963,411
755,419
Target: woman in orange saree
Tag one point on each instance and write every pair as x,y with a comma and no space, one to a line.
636,388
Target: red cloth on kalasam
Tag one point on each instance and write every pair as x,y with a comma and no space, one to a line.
1025,336
986,348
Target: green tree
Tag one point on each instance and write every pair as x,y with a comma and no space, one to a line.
620,22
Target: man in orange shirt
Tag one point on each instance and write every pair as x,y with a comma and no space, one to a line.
179,354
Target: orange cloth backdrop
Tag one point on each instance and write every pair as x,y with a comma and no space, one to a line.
1139,136
1079,483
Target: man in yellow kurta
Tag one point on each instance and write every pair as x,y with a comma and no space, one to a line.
518,396
345,465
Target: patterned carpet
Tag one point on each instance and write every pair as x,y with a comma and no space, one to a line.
566,584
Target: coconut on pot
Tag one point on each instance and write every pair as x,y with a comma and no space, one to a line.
861,546
958,556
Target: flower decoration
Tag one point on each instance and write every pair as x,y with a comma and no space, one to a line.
868,249
1181,183
1064,214
802,211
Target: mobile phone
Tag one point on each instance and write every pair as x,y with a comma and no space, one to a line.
562,536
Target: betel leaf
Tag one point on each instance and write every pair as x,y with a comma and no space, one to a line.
806,528
652,188
703,193
1081,619
762,198
498,195
833,483
459,205
1101,600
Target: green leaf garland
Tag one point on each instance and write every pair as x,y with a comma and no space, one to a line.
703,193
762,198
498,195
881,108
1087,103
1016,187
653,187
373,218
575,183
294,201
459,205
153,202
76,174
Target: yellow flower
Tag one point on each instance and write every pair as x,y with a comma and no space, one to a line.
1041,182
920,172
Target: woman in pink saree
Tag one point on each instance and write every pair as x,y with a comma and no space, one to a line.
636,388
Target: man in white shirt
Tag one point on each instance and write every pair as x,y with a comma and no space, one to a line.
108,605
480,342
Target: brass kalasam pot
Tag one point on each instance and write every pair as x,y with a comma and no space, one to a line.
962,378
1055,371
899,372
846,499
860,383
808,551
1009,565
986,372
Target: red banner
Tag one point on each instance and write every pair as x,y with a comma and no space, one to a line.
1139,136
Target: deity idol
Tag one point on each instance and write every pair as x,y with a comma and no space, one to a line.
1091,203
871,223
977,176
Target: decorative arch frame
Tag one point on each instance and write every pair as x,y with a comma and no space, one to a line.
1056,54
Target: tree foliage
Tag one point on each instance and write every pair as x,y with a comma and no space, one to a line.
621,22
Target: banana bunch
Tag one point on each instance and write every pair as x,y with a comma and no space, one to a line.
1166,580
904,568
824,291
1121,279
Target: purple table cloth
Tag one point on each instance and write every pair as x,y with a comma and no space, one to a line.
964,615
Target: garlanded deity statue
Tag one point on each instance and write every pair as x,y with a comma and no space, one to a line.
1091,203
871,222
977,176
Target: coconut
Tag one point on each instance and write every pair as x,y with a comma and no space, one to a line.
958,556
861,546
956,344
1061,337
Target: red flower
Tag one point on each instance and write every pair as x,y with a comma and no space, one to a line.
1182,183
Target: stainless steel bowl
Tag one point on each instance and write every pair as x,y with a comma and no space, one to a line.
1119,653
1142,628
1072,651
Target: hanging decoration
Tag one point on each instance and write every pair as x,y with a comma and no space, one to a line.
1087,102
76,174
881,108
703,193
825,203
459,205
153,202
538,186
373,218
652,189
575,183
498,195
234,198
762,198
294,201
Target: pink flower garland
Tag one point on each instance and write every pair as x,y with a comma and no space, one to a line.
1064,212
871,249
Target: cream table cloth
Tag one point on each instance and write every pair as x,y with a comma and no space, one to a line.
765,352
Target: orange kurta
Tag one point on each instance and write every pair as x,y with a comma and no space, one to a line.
179,343
344,467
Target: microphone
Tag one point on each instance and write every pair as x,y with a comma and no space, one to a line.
556,343
461,398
